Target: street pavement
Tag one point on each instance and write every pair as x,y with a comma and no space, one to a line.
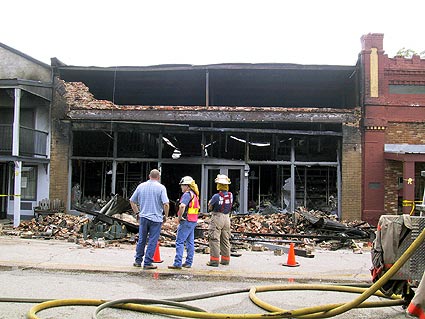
340,266
107,273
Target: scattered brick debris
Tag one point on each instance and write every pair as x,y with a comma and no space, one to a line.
306,228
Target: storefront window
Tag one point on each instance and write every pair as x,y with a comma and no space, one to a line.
28,183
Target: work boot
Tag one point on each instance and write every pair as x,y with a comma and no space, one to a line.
174,267
150,267
225,260
212,263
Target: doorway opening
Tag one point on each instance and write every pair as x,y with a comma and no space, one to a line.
3,190
238,175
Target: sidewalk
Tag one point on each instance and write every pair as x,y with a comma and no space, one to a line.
341,266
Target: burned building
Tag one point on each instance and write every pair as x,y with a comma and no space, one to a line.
342,139
285,134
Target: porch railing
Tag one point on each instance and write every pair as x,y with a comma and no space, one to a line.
31,142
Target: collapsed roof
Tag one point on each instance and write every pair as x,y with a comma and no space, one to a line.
252,85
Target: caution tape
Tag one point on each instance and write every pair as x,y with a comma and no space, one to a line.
7,195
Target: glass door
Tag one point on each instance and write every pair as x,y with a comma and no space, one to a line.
238,186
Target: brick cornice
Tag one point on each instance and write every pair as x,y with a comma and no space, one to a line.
406,82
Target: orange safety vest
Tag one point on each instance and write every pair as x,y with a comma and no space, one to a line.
193,208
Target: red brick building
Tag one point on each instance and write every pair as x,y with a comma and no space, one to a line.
393,99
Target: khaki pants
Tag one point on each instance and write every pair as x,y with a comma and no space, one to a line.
219,237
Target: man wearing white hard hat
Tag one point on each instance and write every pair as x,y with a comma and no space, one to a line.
188,218
220,206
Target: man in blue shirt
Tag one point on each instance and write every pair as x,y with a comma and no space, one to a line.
150,202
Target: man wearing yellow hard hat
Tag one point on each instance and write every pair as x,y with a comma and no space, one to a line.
220,206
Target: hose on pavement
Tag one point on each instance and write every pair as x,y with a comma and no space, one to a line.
322,311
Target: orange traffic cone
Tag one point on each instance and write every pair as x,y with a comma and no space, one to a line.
157,256
291,257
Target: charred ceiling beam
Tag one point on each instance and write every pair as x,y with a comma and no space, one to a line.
157,115
262,130
93,124
171,127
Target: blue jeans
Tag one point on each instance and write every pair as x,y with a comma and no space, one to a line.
149,232
185,234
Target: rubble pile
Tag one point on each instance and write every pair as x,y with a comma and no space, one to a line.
303,227
307,227
62,226
59,226
263,224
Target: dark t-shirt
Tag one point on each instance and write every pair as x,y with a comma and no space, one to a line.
217,202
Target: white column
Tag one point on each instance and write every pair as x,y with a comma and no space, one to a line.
17,195
18,164
114,177
16,123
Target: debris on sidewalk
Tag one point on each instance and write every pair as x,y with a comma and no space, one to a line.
58,226
306,229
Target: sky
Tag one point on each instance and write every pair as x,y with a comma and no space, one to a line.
142,33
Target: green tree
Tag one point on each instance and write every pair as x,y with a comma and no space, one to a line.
408,53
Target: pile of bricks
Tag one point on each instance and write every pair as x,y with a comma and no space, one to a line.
69,227
59,226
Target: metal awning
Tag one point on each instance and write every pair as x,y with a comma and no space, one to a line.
404,148
402,152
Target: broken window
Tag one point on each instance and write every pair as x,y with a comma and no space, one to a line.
131,174
28,183
137,144
316,148
261,147
188,144
225,145
92,143
181,152
316,187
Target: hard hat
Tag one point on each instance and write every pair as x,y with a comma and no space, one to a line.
187,180
222,179
176,154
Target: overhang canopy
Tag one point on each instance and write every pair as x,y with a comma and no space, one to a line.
404,152
40,89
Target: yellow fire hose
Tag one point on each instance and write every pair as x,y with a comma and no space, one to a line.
322,311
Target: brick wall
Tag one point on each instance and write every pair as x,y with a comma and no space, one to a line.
405,133
60,142
402,133
351,173
393,171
